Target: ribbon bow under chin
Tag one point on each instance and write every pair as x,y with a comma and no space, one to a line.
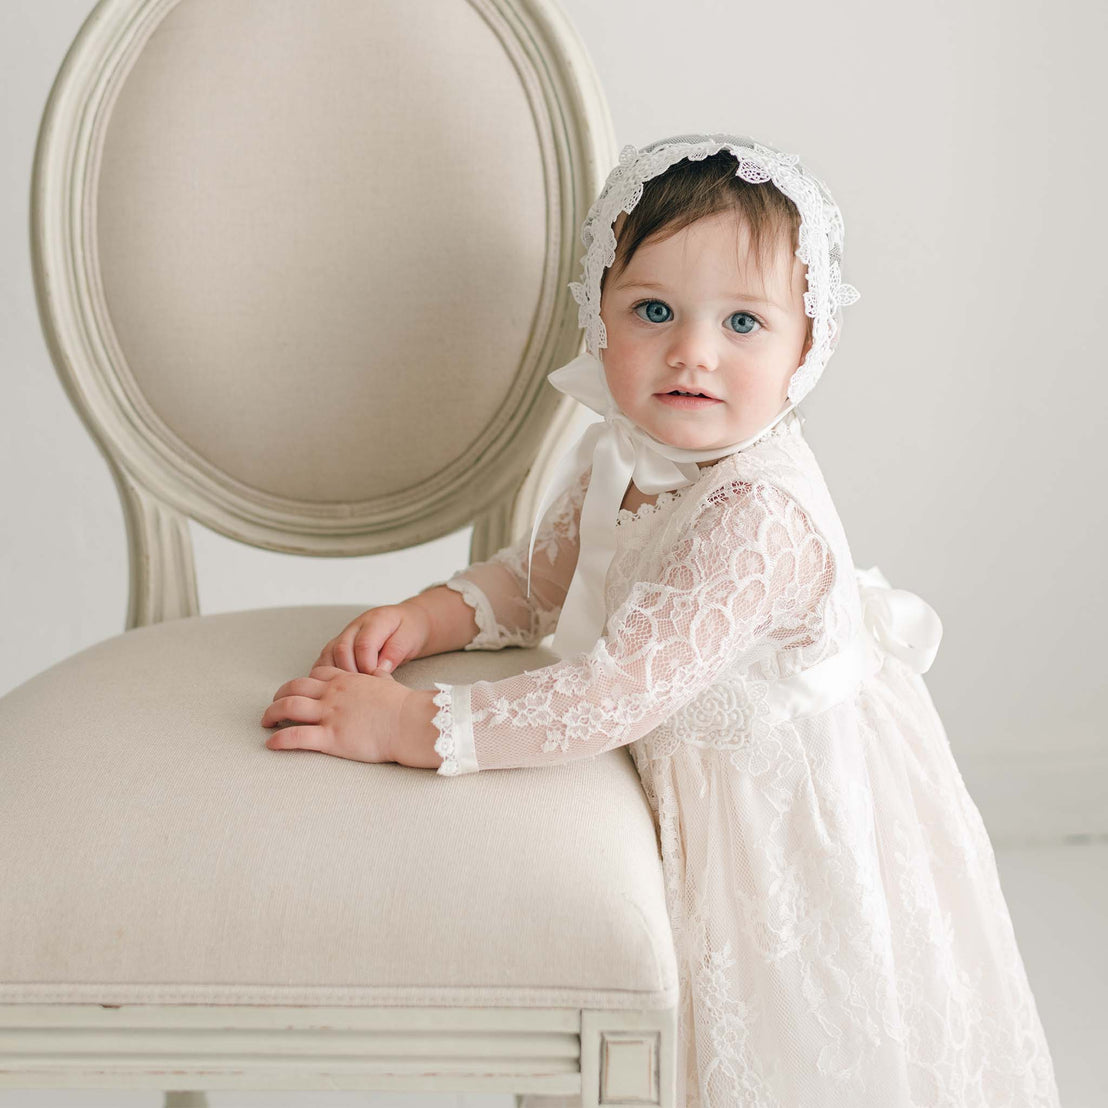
901,622
619,452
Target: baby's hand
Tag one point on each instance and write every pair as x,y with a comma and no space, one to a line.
350,715
379,640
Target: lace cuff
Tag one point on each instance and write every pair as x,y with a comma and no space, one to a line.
455,742
490,635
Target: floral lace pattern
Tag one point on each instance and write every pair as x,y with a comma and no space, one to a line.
726,717
709,607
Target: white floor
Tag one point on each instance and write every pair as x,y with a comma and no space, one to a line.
1058,898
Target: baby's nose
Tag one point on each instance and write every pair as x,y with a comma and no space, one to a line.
692,346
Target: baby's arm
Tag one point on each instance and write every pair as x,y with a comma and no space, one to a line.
450,620
748,575
483,607
488,601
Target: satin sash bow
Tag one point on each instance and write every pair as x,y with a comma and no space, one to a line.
619,452
894,621
900,622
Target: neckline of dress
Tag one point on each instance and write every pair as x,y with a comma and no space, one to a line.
626,515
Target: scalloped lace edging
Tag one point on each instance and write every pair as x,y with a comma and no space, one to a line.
488,635
444,721
646,508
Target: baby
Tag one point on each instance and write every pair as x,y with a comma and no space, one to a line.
840,929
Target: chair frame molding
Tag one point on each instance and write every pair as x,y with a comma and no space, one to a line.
613,1058
162,482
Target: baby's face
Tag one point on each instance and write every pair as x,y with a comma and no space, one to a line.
693,312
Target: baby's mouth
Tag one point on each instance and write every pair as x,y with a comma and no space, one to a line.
678,394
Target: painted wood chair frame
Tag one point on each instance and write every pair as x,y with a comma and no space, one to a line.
105,1031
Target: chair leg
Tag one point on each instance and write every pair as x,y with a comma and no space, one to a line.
186,1100
629,1058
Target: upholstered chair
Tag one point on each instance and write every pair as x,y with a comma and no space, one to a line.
302,269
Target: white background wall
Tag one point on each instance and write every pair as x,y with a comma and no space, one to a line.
960,424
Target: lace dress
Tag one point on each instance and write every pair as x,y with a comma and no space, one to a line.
841,933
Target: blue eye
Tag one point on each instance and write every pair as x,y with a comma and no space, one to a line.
655,311
746,315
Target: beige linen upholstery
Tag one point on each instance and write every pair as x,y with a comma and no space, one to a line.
203,866
302,269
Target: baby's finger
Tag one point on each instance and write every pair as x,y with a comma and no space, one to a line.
342,651
366,647
303,686
300,709
300,738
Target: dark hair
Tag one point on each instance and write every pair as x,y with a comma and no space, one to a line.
690,190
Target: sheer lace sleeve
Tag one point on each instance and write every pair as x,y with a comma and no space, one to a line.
496,589
750,571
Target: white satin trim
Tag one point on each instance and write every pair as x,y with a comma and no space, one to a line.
894,621
901,622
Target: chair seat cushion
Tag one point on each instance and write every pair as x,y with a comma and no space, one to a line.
154,850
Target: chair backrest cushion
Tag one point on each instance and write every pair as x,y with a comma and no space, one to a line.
321,231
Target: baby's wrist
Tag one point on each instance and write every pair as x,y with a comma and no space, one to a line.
415,742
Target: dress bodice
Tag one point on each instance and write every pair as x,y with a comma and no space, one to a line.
644,538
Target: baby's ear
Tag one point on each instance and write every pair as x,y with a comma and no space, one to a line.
807,347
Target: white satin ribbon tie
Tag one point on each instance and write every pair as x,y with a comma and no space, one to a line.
619,452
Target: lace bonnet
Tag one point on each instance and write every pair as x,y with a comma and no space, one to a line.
820,246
